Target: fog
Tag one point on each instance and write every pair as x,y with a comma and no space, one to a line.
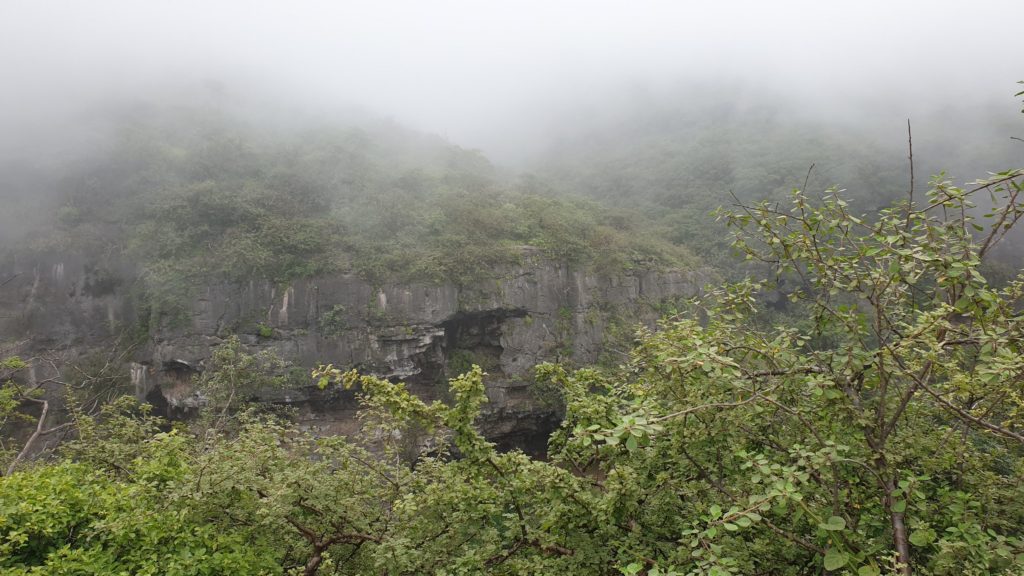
507,77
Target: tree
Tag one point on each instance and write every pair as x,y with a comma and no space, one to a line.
15,398
114,505
880,432
232,378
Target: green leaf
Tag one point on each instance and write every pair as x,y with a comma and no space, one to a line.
900,506
835,559
834,523
922,537
715,511
632,568
868,570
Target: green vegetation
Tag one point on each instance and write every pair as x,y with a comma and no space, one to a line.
858,413
233,377
461,361
675,161
332,322
880,436
195,197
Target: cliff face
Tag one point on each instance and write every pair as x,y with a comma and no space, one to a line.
421,334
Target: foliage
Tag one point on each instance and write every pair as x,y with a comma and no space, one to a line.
116,511
272,500
877,433
332,322
879,437
233,377
11,406
678,158
197,197
24,412
264,331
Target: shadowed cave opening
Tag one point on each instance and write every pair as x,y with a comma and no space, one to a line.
475,338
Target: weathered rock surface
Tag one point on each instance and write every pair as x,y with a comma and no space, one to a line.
539,311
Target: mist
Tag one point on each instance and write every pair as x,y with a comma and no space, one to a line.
509,78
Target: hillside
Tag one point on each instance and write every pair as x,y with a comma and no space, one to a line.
677,157
280,349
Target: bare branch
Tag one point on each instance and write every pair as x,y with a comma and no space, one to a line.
35,435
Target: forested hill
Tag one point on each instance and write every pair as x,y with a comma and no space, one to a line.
198,194
675,159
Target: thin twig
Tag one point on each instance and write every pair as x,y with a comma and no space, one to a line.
910,194
807,178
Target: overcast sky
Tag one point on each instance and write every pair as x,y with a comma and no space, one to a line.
493,74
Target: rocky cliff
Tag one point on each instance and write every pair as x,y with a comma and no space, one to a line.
65,311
